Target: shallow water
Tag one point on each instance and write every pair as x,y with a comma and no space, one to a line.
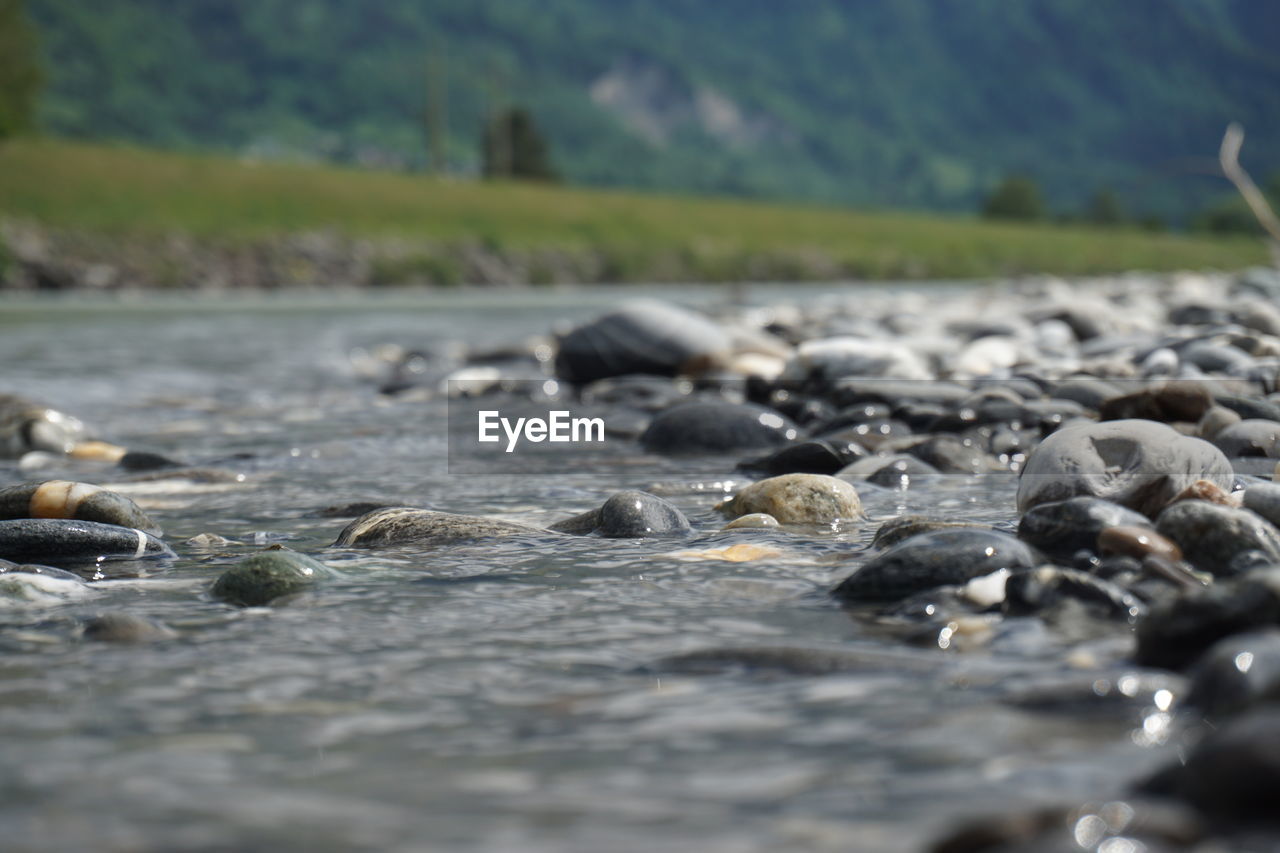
495,697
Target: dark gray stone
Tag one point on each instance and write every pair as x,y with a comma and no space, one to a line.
1062,528
1250,437
1037,590
934,559
1211,536
1237,673
716,427
1179,629
640,337
628,515
57,541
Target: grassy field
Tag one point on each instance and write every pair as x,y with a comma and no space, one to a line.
117,191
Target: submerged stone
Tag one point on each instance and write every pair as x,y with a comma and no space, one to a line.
1037,590
47,540
942,557
30,589
267,575
124,627
392,526
628,515
1061,528
716,427
797,499
65,499
1136,463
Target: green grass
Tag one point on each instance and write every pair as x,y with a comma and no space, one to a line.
133,192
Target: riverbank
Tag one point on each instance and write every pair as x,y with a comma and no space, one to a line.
74,215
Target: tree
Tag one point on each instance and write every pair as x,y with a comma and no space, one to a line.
1016,197
513,147
20,75
1104,208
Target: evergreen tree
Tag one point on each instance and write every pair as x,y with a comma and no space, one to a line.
513,147
1104,208
20,75
1017,197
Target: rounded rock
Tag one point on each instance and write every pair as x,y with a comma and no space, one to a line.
27,426
123,627
1237,673
642,337
66,499
628,515
266,576
1249,437
393,526
47,540
1211,536
1179,629
1061,528
797,499
1139,464
930,560
753,521
716,427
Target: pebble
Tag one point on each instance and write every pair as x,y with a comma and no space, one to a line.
896,530
1232,775
641,337
1037,590
1264,499
716,427
797,499
27,589
1178,630
26,426
65,499
628,515
807,457
125,627
1062,528
891,472
1137,541
1167,402
1249,437
929,560
55,541
268,575
753,521
1212,536
393,526
1139,464
1237,673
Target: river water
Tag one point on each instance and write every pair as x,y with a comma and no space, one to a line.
505,696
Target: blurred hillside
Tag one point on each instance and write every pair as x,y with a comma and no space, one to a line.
911,103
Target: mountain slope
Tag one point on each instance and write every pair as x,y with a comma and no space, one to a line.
911,103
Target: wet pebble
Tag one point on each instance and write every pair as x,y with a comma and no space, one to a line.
1062,528
392,526
890,472
1139,464
26,426
1212,536
641,337
1237,673
124,627
1038,590
1232,774
66,499
797,499
896,530
934,559
1178,630
807,457
753,521
56,541
628,515
25,589
716,427
267,576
